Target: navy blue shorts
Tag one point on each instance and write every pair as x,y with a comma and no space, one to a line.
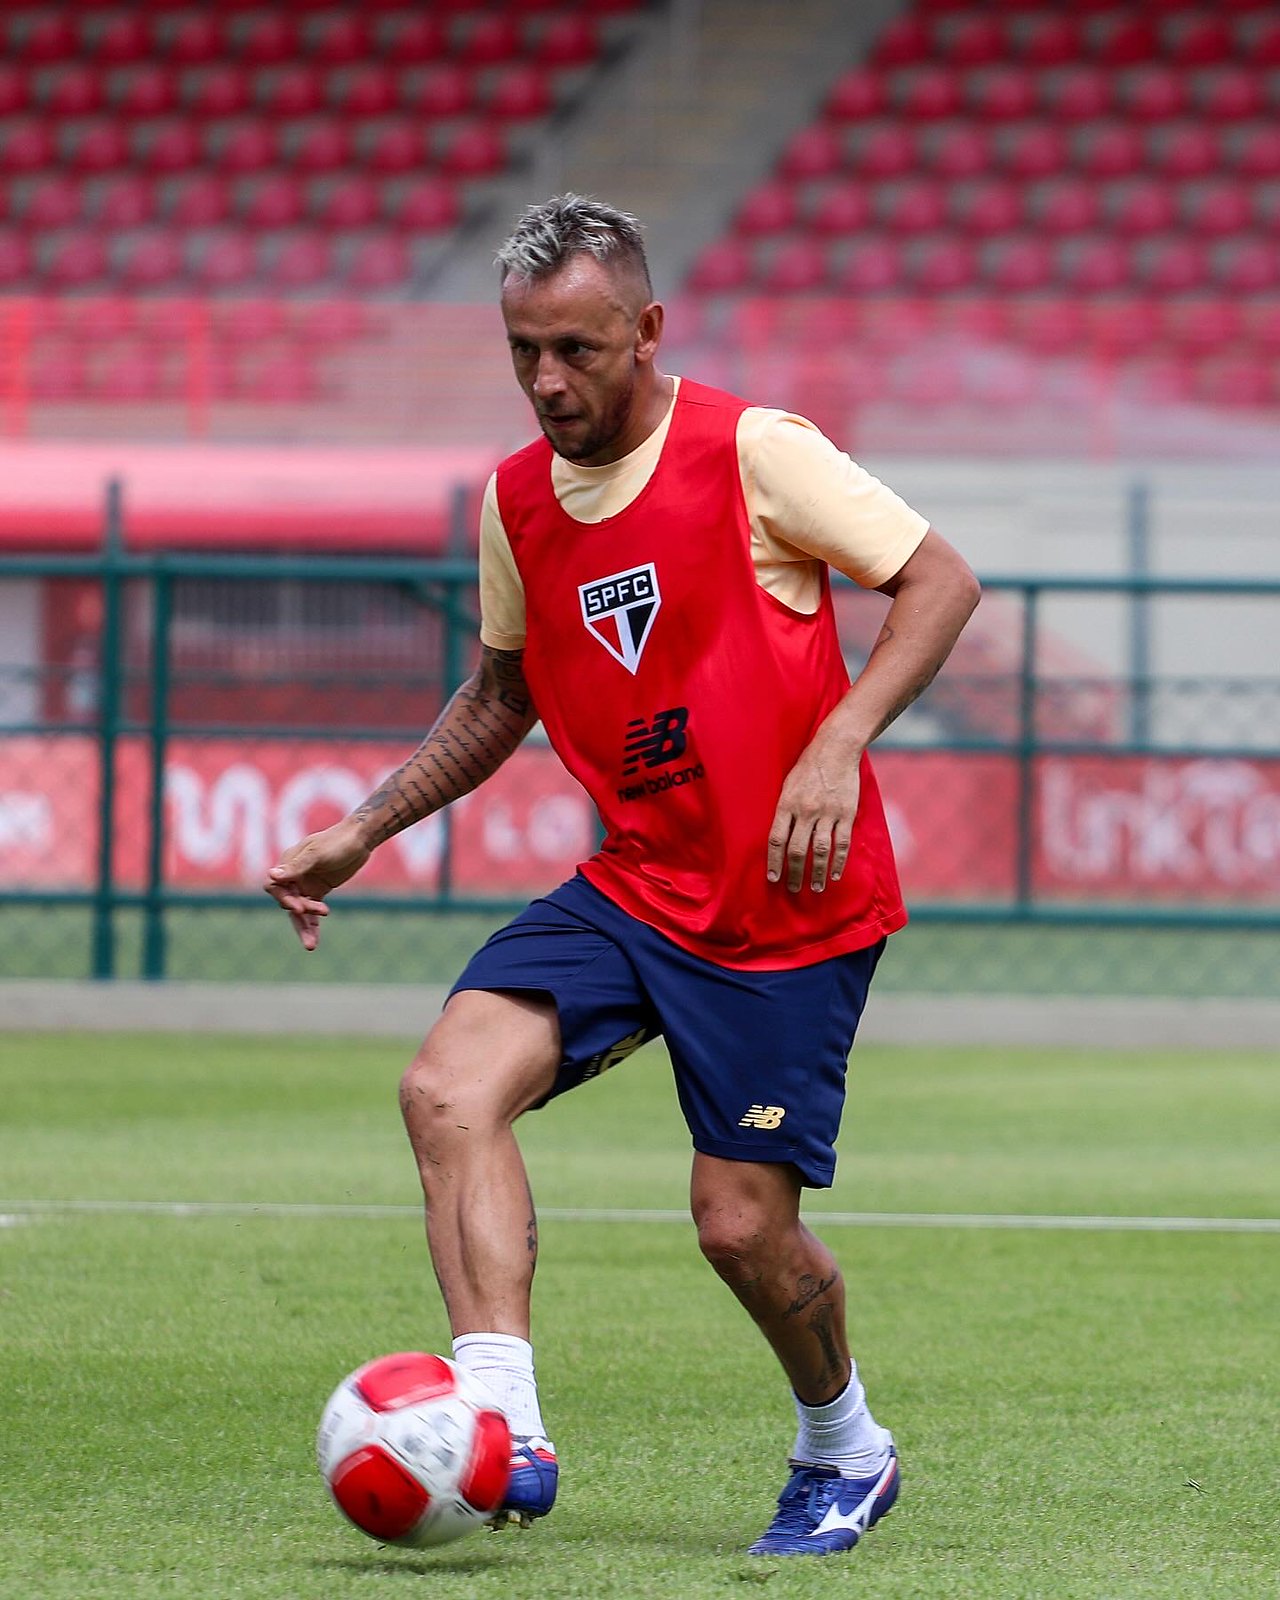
759,1057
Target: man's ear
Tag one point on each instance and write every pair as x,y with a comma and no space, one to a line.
649,326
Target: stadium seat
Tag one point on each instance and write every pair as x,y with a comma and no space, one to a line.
883,151
814,152
351,200
1262,325
568,41
976,41
97,146
1246,266
1202,325
57,374
1063,206
858,93
27,147
248,321
1119,327
1216,209
72,91
1171,266
941,265
381,262
1109,150
986,207
274,200
490,38
476,150
393,147
146,90
1262,46
50,38
871,266
426,205
279,376
1155,93
1138,206
265,39
296,90
1076,94
1034,150
126,201
200,200
1093,265
445,90
1255,152
1186,150
983,319
15,258
841,207
906,41
328,322
411,37
166,146
119,39
925,93
724,267
1000,94
74,260
339,38
1122,39
519,93
301,262
15,89
151,260
1048,40
53,201
769,208
368,90
192,39
916,205
957,150
220,90
1198,40
1228,94
1049,324
241,146
1019,263
134,373
224,262
318,147
897,324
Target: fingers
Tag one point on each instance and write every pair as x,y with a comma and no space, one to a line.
304,911
821,844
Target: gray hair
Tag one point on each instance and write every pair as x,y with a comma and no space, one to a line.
547,235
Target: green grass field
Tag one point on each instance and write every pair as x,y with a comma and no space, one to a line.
1080,1413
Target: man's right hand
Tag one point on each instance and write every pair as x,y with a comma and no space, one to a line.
310,870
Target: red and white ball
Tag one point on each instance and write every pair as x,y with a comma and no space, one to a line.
414,1450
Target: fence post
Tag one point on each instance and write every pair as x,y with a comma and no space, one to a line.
1139,541
1025,873
153,928
110,674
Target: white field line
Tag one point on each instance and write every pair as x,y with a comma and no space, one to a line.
17,1211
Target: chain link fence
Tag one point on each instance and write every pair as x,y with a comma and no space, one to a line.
1087,801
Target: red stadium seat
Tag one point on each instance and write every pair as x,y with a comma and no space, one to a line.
883,151
1050,324
1202,325
152,260
199,201
248,322
411,37
1139,206
1171,266
127,201
1064,206
280,376
1154,93
814,152
984,320
301,263
1033,151
474,151
858,93
242,146
976,41
986,207
49,38
121,39
132,374
225,262
192,39
27,147
296,90
147,90
97,147
57,375
723,267
1247,266
796,267
957,150
491,38
1077,93
378,263
918,205
217,91
896,324
925,93
1263,47
339,38
906,41
1094,265
568,41
447,90
73,91
1123,39
942,265
369,90
1217,209
842,207
272,201
519,93
1256,152
1262,325
1122,326
1198,40
75,260
1110,150
349,201
426,205
394,147
168,146
15,259
1001,94
328,322
15,89
769,208
1186,150
266,39
53,201
1228,94
1019,264
1049,40
871,266
318,147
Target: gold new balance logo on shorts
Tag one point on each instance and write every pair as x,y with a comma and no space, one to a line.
762,1117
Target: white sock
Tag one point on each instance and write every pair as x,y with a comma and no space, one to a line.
505,1364
842,1434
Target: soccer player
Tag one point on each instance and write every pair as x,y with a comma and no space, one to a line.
654,588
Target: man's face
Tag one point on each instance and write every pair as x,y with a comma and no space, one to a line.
578,339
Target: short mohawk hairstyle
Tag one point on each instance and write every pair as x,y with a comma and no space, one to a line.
547,235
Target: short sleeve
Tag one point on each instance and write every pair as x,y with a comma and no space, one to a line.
502,617
808,499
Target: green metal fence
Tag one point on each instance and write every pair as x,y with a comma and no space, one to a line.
1087,801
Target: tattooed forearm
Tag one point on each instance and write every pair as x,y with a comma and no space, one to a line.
811,1289
473,736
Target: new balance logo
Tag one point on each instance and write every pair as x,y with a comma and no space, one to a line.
762,1117
620,610
658,742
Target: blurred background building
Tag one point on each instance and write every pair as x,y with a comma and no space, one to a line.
1022,260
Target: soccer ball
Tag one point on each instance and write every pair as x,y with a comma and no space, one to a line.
414,1450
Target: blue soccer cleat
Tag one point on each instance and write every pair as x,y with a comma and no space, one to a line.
532,1490
820,1513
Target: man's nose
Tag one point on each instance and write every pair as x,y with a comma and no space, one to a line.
549,378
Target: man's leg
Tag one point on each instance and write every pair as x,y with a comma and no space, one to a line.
846,1472
488,1059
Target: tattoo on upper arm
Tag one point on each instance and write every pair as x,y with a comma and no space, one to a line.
502,675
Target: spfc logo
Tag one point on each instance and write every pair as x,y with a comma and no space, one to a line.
620,610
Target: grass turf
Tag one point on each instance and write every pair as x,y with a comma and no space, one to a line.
1079,1414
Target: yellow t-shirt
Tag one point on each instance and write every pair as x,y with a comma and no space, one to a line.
809,505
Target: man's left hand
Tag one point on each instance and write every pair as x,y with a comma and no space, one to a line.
814,819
